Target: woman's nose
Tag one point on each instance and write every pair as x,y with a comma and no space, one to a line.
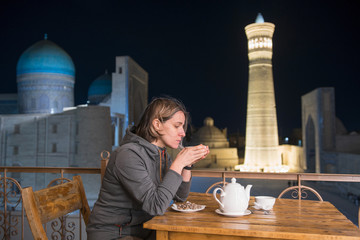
182,133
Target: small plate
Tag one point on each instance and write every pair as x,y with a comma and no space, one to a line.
201,207
233,214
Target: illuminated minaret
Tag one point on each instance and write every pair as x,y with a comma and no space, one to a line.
262,140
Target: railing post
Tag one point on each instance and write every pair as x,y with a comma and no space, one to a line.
5,206
299,185
5,184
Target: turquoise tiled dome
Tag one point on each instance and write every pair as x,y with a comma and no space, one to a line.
45,57
101,85
100,88
45,79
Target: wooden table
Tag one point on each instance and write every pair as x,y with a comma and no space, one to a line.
289,219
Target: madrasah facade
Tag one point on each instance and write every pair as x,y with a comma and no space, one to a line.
40,126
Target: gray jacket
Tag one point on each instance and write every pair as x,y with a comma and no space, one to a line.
131,191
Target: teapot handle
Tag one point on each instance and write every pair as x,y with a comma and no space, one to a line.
222,194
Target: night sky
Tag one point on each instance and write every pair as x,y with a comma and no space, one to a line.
197,50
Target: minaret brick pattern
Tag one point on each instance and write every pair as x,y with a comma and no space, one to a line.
262,140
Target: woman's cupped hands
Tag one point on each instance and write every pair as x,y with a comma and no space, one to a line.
191,155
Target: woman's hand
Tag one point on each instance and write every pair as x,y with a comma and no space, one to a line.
189,156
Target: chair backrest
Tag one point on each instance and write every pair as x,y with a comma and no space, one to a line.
299,192
51,203
213,186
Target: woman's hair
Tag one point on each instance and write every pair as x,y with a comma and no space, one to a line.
162,108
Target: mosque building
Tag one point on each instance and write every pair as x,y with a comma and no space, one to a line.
221,155
40,126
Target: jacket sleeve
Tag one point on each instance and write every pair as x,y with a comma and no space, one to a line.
183,191
133,173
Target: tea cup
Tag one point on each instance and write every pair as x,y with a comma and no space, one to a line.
264,202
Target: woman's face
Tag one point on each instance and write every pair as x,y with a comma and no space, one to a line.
171,132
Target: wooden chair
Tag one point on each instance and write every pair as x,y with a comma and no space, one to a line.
300,192
215,185
51,203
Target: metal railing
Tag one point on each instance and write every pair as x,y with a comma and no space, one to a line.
10,189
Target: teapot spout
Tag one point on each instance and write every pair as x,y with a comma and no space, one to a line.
247,191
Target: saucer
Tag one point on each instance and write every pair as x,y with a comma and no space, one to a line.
233,214
201,207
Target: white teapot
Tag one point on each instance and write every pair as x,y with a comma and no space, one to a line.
234,197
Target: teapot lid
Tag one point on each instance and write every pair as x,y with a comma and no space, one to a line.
233,184
233,180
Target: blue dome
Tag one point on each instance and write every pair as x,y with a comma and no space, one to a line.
45,57
100,87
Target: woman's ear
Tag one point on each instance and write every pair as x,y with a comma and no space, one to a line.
157,124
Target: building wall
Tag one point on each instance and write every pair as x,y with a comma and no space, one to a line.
119,94
8,104
293,157
73,138
324,148
348,143
318,126
343,163
129,90
138,91
91,131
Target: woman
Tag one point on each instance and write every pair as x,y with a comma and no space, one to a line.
140,180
